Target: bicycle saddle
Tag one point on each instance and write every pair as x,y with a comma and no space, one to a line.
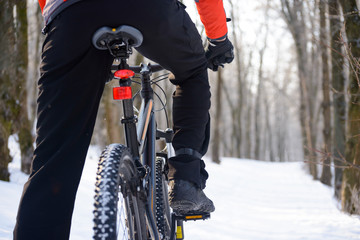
106,36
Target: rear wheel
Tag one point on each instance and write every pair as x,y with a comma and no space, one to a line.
119,207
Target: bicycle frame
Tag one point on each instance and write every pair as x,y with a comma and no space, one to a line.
141,133
141,139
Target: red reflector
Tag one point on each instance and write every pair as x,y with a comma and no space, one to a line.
124,74
120,93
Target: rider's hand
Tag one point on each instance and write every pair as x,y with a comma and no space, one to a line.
218,53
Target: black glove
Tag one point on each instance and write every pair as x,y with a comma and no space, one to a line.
218,53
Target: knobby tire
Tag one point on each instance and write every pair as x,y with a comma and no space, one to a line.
119,207
162,213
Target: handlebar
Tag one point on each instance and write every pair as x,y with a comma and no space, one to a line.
143,68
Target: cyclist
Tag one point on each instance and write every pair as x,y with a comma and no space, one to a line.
72,77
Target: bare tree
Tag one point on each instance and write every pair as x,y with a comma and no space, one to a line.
258,107
282,101
338,86
326,173
6,74
259,130
268,133
13,66
237,106
351,177
215,154
35,40
248,103
293,14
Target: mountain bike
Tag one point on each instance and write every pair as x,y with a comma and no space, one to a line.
131,200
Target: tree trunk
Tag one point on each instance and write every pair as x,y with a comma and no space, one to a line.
293,15
24,126
351,177
13,65
326,173
269,132
259,101
6,73
248,139
248,103
339,103
258,110
235,146
35,40
237,110
13,68
216,136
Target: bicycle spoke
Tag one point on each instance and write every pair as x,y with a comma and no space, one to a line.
121,220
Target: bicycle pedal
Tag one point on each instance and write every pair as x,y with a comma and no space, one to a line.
193,216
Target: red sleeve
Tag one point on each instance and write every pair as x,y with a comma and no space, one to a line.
212,15
42,4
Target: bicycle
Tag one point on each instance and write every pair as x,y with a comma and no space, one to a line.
131,199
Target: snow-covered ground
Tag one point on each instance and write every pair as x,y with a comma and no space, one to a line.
254,201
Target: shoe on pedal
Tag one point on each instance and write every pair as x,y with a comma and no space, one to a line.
186,198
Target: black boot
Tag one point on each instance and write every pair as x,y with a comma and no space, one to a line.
186,198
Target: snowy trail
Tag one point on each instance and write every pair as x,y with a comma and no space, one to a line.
271,201
254,201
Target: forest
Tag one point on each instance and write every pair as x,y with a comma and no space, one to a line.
292,92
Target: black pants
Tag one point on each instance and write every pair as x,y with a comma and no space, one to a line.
72,80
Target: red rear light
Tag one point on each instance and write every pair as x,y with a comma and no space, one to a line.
120,93
124,74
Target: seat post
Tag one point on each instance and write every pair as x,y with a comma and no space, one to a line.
123,63
120,49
